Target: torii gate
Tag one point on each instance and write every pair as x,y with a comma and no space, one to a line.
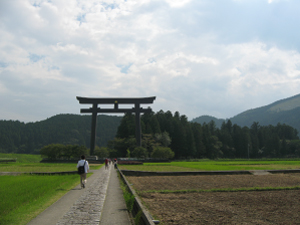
116,101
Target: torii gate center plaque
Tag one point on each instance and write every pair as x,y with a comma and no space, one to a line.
115,101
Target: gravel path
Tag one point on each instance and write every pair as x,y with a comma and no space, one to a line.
87,209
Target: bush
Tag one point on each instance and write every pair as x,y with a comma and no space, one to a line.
140,152
101,152
162,153
52,151
60,151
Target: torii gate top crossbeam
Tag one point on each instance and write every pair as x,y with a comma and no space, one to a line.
84,100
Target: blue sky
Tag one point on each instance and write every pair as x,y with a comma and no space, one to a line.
198,57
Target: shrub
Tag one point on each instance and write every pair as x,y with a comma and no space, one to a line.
162,153
140,152
60,151
101,152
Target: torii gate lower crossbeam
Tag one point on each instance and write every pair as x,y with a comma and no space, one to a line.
116,101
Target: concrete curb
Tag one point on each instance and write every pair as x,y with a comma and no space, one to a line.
146,173
283,171
238,172
146,218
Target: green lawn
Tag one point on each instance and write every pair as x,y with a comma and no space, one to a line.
212,165
41,167
25,196
31,163
21,158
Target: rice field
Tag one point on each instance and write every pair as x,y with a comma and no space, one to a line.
21,158
216,165
25,196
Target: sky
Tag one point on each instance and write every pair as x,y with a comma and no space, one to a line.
198,57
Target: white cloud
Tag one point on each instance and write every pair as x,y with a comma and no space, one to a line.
197,57
177,3
272,1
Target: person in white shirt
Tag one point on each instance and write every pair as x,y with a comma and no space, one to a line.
84,163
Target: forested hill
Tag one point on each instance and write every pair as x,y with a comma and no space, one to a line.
285,111
22,137
174,131
206,119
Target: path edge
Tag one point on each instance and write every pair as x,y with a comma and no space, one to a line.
146,218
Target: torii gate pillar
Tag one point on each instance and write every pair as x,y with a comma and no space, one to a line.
116,101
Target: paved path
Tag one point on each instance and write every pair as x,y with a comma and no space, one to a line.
114,211
102,199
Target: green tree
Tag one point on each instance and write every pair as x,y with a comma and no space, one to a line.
119,146
162,153
60,151
140,152
52,151
225,136
200,150
214,148
128,153
150,124
163,138
101,152
127,126
148,142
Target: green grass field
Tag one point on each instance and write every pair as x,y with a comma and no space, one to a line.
41,167
21,158
31,163
211,165
25,196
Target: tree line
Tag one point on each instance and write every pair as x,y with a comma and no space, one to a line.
194,140
66,129
165,135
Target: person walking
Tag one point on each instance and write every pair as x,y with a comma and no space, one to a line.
83,169
115,163
106,164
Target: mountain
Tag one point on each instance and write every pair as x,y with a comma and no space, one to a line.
206,119
72,129
285,111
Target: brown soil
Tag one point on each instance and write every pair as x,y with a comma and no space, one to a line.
243,207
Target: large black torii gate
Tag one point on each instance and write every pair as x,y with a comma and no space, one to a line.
116,101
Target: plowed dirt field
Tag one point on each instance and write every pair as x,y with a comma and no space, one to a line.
239,207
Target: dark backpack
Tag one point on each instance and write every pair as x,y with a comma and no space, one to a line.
81,169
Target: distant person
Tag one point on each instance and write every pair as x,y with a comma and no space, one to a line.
115,163
83,169
106,163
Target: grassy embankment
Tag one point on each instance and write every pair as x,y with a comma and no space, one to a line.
216,165
23,197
